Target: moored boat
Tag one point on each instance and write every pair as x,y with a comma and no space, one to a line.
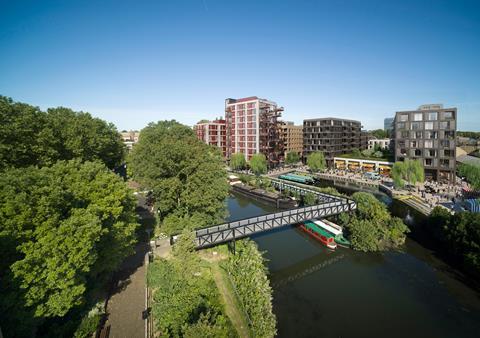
342,241
335,230
320,234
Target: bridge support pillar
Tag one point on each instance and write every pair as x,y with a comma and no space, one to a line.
231,246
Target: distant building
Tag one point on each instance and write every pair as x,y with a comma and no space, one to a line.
428,134
292,138
213,133
388,124
381,143
333,137
252,127
130,138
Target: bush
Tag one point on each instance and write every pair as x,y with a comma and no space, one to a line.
87,326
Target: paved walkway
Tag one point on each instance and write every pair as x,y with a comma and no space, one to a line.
127,301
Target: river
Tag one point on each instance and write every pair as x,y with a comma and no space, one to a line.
319,293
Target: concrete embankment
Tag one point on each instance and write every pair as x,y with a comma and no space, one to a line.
265,196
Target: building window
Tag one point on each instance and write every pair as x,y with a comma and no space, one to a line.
428,144
444,163
401,125
417,134
418,117
448,152
428,125
415,125
449,134
404,134
418,152
432,116
432,152
403,151
444,125
428,162
445,143
431,135
403,117
448,115
413,144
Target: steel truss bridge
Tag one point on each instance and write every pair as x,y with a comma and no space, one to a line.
327,205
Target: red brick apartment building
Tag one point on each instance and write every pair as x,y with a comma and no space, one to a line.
213,133
252,127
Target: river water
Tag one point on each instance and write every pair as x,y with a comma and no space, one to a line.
320,293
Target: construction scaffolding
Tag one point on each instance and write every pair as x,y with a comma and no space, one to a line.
270,129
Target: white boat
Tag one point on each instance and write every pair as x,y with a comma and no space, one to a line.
328,226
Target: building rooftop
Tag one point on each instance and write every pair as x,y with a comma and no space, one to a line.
331,118
467,159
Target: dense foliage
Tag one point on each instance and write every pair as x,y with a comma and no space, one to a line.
471,134
471,173
410,171
238,162
316,161
63,229
292,157
459,235
371,227
29,136
258,164
187,177
248,274
185,299
309,199
379,133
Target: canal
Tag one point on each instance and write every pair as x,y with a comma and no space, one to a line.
319,293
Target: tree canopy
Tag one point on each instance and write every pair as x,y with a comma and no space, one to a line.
371,227
379,133
238,162
410,171
187,177
29,136
292,157
258,164
316,161
471,173
62,228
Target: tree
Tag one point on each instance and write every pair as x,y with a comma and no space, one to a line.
410,171
309,199
238,162
379,133
63,229
292,157
258,164
316,161
471,173
29,136
187,177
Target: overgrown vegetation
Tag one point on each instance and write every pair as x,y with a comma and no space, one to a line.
186,302
471,174
249,277
458,235
316,161
187,177
371,227
258,164
408,171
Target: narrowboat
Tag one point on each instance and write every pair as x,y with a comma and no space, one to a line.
335,230
320,234
297,178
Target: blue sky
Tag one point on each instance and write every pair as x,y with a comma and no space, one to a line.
139,61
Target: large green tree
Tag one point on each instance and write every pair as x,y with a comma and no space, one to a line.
471,173
410,171
63,229
292,157
316,161
29,136
237,161
187,177
258,164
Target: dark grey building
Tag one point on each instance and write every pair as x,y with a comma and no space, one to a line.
428,134
332,136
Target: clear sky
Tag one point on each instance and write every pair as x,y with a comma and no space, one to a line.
139,61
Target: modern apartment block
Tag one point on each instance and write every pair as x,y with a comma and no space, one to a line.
213,133
292,137
428,134
384,143
252,127
333,137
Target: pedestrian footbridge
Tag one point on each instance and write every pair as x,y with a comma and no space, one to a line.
327,205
